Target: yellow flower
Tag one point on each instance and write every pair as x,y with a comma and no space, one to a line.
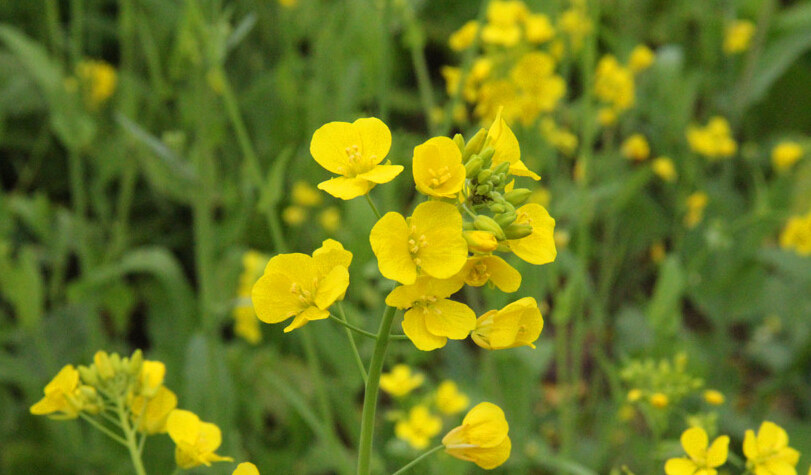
503,17
713,141
61,396
463,38
354,151
769,453
246,325
503,140
614,84
634,395
480,241
151,378
659,400
641,58
797,235
606,116
738,36
695,208
100,80
560,138
713,397
246,468
518,324
330,219
664,168
431,317
103,364
300,286
304,194
482,438
704,458
539,247
294,215
288,3
438,169
195,440
482,269
786,154
418,428
576,23
538,29
400,381
158,408
636,148
449,400
431,240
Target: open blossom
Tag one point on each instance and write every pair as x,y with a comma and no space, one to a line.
738,35
195,440
300,286
353,151
664,168
786,154
797,235
430,240
64,398
158,408
703,457
636,148
482,438
480,270
463,38
438,169
400,381
641,58
505,143
539,247
714,141
419,427
768,453
431,317
518,324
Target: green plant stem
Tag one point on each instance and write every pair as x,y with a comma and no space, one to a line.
361,331
418,459
54,28
131,441
417,46
103,429
367,424
78,196
76,29
765,14
385,61
351,339
372,204
244,140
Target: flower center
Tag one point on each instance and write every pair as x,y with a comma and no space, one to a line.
415,243
478,274
305,296
357,162
439,177
426,304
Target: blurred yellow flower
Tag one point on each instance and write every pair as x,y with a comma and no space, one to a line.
664,168
449,400
558,137
195,440
480,270
246,325
463,38
797,235
437,168
696,203
659,400
538,29
61,399
713,141
354,151
769,453
606,116
151,377
301,286
737,36
714,397
518,324
306,195
294,215
482,438
576,24
614,84
246,468
158,408
786,154
503,22
431,240
330,219
636,148
703,457
431,318
400,381
99,80
641,59
634,395
418,428
539,247
541,195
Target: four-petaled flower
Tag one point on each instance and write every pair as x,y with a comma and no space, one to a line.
518,324
703,457
539,247
438,169
196,441
482,438
418,428
768,453
480,270
400,381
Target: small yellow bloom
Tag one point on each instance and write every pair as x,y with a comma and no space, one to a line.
306,195
246,468
480,270
606,116
480,241
246,325
714,397
449,400
786,154
695,208
195,440
418,428
538,29
503,18
353,151
703,457
797,235
614,84
539,247
503,140
431,240
659,400
714,141
482,438
151,378
301,286
103,364
158,408
769,453
634,395
463,38
294,215
641,59
99,79
576,23
518,324
664,168
431,318
636,148
60,396
437,168
330,219
738,36
400,381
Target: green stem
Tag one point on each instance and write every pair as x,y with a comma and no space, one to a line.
123,207
244,140
76,29
103,429
314,364
418,460
131,442
371,203
362,331
54,27
385,61
78,189
370,395
417,46
351,339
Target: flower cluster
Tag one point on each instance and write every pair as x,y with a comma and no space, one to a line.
785,155
305,197
98,80
659,383
713,141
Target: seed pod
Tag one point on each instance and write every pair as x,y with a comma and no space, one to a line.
518,196
486,223
505,219
459,140
474,146
473,166
518,231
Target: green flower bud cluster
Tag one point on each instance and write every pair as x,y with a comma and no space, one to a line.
667,376
112,374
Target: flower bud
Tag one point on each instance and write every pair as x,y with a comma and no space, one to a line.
136,360
496,208
502,168
487,154
474,146
506,219
104,364
89,375
517,231
480,241
483,189
483,176
459,140
486,223
473,166
518,196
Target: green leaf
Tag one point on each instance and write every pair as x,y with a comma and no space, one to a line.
21,284
664,309
777,56
273,191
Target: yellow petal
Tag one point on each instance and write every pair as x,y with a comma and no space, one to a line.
183,427
779,467
416,331
346,188
273,300
486,458
450,319
375,138
485,425
503,275
246,468
331,254
382,173
445,250
438,169
210,437
539,247
308,315
332,287
695,440
771,437
520,169
389,239
680,466
717,453
48,405
504,141
65,381
329,143
750,445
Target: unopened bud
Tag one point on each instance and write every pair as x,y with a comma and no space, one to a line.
502,168
136,360
480,241
459,140
496,208
518,231
518,196
506,219
483,189
483,176
473,166
474,145
89,375
487,154
486,223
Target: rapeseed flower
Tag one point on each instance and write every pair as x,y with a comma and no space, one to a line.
480,242
560,138
353,151
641,59
437,168
714,397
538,29
518,324
768,453
786,154
400,381
797,235
430,240
449,400
195,440
463,38
696,203
301,286
304,194
99,79
294,215
64,396
431,318
539,247
246,325
714,141
636,148
737,36
158,407
482,438
576,23
151,377
503,140
246,468
330,219
703,457
503,22
480,270
418,428
664,168
659,400
614,84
